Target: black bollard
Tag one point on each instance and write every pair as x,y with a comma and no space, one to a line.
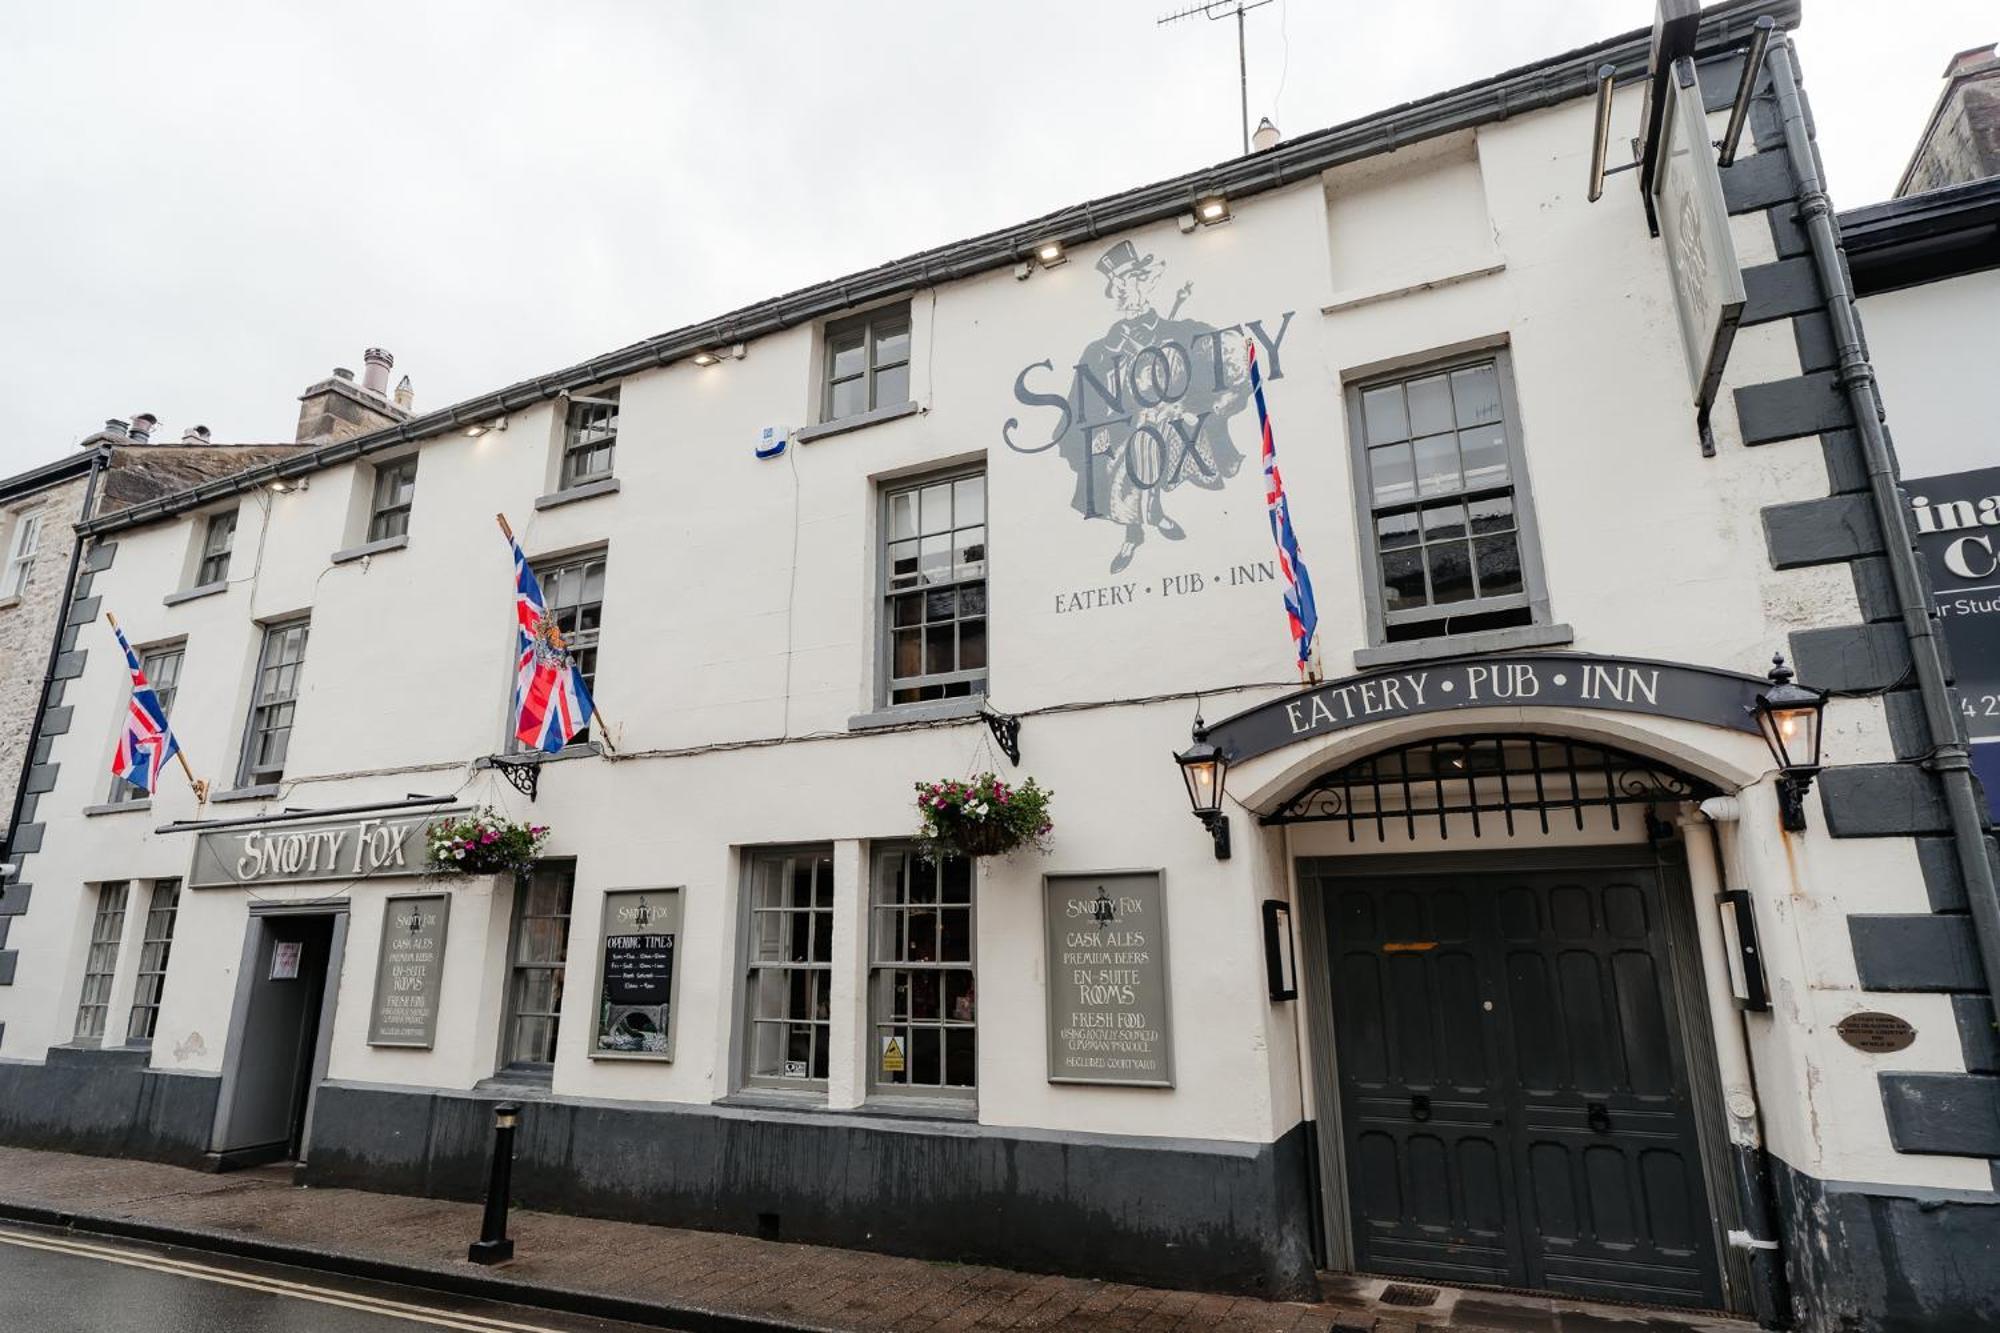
493,1247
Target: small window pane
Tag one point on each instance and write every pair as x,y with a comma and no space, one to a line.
1499,560
849,351
935,510
903,515
892,340
1451,572
1403,579
850,398
906,611
892,386
936,559
902,563
969,499
971,645
1485,452
1446,520
1394,531
1430,405
1437,465
1383,409
1392,474
1492,515
1476,391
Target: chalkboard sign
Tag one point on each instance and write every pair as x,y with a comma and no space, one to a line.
409,971
1109,1016
635,996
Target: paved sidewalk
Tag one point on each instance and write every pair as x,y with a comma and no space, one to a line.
695,1279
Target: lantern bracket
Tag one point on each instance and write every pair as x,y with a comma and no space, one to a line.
1006,729
523,775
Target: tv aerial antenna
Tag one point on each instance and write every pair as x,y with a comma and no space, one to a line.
1222,9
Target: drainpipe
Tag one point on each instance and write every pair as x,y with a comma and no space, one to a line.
98,460
1749,1165
1948,757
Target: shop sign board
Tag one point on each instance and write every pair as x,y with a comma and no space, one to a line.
1955,518
1110,1012
1540,680
1693,218
409,970
299,852
635,1001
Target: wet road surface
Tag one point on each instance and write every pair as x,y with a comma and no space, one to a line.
55,1281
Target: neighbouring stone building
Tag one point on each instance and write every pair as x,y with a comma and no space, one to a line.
1532,942
1961,140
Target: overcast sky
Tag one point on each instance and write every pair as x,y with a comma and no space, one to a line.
206,206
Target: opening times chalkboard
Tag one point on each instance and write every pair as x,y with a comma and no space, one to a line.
1109,1016
636,981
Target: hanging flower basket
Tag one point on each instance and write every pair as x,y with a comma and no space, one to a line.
983,816
483,843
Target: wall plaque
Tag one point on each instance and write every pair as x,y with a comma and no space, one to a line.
1875,1033
409,970
297,852
1110,1019
635,995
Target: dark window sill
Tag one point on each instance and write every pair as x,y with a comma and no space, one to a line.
578,750
118,807
1517,638
810,1098
943,1107
262,791
194,593
807,434
589,490
366,549
936,710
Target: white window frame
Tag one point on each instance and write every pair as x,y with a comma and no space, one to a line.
163,903
589,429
875,360
256,724
890,939
1435,622
100,959
222,524
563,873
24,544
890,592
820,913
393,492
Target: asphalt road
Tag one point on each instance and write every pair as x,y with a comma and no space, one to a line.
62,1282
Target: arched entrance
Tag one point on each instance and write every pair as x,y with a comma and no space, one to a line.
1512,1065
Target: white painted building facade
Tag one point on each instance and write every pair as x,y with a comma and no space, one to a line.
746,659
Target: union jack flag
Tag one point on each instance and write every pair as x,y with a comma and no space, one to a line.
551,703
1299,606
147,743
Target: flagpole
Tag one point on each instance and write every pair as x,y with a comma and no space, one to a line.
596,709
200,787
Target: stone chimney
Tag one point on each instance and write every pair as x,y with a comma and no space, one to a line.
405,395
1264,136
337,408
1961,141
141,431
195,435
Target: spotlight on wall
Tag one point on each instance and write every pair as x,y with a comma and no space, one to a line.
284,487
1211,209
706,358
479,428
1051,254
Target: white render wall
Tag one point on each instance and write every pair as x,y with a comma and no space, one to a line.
1936,354
740,606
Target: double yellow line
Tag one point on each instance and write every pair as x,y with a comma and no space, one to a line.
271,1286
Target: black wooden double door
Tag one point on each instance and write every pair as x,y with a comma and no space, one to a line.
1513,1083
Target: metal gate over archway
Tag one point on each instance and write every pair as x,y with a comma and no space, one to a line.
1503,774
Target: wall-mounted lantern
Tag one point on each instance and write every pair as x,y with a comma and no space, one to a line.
1205,769
1789,717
